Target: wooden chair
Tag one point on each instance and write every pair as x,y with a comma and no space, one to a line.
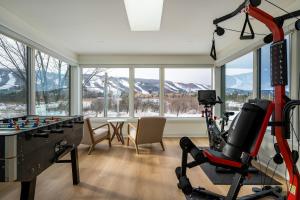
93,136
148,130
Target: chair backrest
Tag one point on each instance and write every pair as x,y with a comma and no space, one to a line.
87,132
150,129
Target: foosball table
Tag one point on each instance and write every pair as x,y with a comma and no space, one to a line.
30,144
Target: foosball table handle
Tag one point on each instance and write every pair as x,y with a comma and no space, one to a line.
59,131
41,134
67,125
79,122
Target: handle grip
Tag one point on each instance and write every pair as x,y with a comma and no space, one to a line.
67,125
42,134
59,131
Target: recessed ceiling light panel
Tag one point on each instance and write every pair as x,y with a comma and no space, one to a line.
144,15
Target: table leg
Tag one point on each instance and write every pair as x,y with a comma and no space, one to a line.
75,166
28,189
114,131
117,131
120,133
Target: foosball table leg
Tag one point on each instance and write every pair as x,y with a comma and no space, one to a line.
75,166
28,189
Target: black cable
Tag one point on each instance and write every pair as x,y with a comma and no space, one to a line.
237,31
273,4
293,129
260,170
273,174
266,171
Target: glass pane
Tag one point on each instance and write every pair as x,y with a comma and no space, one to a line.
52,85
266,89
93,92
106,90
146,92
265,85
117,92
239,82
13,63
181,86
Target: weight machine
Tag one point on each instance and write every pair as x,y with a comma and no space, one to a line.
248,130
217,136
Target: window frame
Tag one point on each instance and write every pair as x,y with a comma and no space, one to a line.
161,68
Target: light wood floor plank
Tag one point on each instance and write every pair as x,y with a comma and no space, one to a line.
118,173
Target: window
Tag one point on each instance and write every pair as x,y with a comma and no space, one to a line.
117,92
146,92
266,91
13,64
181,86
239,82
93,92
52,85
106,92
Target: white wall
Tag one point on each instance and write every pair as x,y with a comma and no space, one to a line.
145,59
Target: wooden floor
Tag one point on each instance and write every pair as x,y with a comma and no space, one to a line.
118,173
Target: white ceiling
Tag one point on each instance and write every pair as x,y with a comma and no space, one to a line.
101,26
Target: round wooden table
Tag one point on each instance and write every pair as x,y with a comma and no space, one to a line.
117,125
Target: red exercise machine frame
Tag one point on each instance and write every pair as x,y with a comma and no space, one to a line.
279,100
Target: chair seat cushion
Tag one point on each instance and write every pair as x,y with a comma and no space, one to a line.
100,133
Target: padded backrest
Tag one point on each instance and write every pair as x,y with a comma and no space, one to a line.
248,130
150,129
268,106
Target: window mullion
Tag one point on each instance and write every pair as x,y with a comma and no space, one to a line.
105,95
161,91
256,74
131,91
31,81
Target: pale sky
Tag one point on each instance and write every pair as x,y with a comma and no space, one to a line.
241,65
183,75
189,75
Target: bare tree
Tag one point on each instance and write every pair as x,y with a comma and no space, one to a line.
51,77
97,105
13,57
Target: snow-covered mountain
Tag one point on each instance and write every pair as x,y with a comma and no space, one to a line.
143,86
9,81
12,81
240,82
